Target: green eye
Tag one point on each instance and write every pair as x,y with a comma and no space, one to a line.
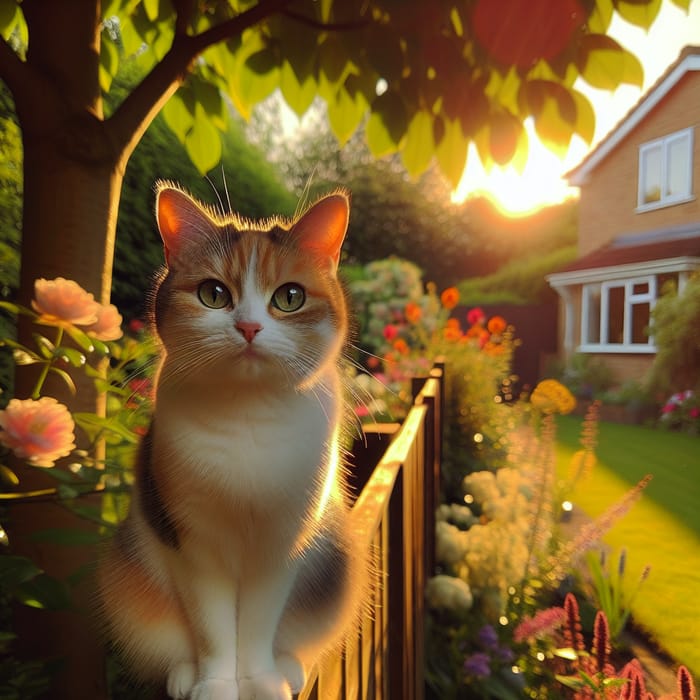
213,294
289,297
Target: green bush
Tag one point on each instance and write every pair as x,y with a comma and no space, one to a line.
674,323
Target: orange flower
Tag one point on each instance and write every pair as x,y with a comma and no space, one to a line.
413,312
401,347
108,324
64,301
452,333
449,298
496,325
39,431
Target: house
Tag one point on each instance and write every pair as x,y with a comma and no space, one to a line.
639,224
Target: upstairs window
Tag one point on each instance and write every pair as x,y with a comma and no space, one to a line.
665,171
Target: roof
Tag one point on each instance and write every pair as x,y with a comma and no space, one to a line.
688,60
659,250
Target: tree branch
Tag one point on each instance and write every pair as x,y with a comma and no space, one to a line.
21,81
131,119
326,26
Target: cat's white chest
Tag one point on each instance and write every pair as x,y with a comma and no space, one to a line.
252,443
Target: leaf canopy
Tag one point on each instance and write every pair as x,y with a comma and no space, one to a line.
429,78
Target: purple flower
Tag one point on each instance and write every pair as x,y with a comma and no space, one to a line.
487,637
478,665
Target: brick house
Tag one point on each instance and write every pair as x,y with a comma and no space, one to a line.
639,224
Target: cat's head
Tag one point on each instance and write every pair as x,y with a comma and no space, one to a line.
250,300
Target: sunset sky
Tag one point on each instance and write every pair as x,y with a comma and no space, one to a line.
541,182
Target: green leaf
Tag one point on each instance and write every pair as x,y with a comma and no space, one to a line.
67,536
209,98
151,7
44,592
599,21
641,14
604,64
298,50
65,377
8,476
334,65
418,148
452,151
386,125
566,653
95,425
505,132
9,15
298,96
203,142
384,52
16,570
572,682
585,117
109,61
46,347
345,114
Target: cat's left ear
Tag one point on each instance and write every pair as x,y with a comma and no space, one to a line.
321,230
180,218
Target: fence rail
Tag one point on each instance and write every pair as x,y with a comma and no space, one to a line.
396,473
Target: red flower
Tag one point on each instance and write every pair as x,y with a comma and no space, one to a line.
390,332
475,316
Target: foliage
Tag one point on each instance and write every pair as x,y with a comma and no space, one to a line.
609,592
674,323
450,73
41,432
587,376
520,281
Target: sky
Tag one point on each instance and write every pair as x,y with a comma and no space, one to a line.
541,182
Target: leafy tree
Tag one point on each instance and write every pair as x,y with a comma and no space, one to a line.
450,72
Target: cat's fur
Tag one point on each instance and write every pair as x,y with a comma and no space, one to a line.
235,568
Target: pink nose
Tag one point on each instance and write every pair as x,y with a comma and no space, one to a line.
248,329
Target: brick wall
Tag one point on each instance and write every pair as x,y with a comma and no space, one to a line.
609,199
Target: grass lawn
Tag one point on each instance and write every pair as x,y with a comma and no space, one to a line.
662,529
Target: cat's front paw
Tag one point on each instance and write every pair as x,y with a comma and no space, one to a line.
215,689
293,670
268,686
180,680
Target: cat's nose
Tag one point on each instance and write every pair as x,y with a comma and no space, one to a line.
248,329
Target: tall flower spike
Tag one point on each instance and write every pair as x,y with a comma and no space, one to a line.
685,684
601,642
573,636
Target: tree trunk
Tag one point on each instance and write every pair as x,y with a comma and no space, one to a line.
69,224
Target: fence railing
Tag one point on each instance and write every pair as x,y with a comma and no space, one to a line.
396,473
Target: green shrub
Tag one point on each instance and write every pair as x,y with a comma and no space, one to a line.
674,322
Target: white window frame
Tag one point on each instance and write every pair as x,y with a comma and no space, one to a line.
664,144
591,290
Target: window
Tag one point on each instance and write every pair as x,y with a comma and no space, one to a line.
615,315
665,171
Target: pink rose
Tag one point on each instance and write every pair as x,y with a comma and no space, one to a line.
694,412
39,431
64,300
108,324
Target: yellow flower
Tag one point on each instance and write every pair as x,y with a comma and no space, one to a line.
551,396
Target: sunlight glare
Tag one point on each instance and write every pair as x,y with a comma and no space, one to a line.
520,193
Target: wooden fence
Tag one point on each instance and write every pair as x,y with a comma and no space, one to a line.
396,474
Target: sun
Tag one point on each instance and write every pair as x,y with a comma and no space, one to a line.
521,193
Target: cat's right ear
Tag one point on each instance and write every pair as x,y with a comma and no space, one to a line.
179,219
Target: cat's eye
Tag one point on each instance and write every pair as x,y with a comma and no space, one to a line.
214,294
289,297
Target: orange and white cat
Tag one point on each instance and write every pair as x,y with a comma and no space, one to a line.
235,568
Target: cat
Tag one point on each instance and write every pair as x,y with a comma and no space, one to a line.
236,568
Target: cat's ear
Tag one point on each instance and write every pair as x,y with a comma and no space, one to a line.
321,229
180,218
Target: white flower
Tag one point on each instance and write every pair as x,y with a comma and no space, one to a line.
450,593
